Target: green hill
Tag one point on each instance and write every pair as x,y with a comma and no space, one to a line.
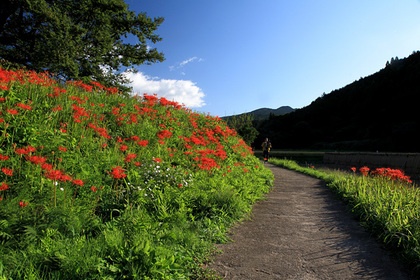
264,113
378,112
96,184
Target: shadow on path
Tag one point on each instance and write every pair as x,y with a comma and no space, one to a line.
302,232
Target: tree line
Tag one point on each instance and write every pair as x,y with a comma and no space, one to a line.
375,113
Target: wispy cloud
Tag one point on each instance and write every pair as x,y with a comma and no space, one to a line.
182,91
185,62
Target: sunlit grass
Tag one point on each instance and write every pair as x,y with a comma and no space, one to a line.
388,207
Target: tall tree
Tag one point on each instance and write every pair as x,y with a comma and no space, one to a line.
244,126
80,39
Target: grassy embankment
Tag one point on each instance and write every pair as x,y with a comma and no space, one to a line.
301,156
98,185
386,203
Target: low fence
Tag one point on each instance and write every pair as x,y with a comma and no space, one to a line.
408,162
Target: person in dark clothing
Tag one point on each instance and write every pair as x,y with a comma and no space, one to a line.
266,146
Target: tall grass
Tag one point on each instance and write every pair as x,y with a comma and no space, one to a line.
97,184
386,202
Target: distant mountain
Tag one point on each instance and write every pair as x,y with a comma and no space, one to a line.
378,112
264,113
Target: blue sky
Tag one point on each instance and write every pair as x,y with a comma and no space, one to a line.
226,57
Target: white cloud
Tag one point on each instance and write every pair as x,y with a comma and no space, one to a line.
182,91
185,62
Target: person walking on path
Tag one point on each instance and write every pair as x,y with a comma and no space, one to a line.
266,146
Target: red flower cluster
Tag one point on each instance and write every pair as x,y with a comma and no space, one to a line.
22,204
25,151
364,170
393,174
118,173
56,175
162,134
4,157
200,144
4,186
7,171
36,159
23,106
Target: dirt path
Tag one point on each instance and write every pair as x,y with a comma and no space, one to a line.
302,232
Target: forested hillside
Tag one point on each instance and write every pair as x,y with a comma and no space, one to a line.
378,112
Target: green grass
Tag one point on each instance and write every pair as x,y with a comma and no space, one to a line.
96,184
388,208
300,156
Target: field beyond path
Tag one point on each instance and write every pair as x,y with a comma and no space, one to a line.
302,232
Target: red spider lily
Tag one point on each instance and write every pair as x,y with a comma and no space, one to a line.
7,171
12,111
118,173
353,169
163,101
206,163
97,84
81,85
58,108
364,170
64,178
158,160
22,204
94,189
123,148
4,186
46,166
4,157
78,182
151,99
23,106
30,149
164,134
129,157
21,151
63,149
24,151
143,143
53,174
393,174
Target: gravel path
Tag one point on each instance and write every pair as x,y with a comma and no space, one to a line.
302,232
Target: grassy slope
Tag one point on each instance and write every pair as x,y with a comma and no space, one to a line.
97,185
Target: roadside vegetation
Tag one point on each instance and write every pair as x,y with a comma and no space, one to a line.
307,157
385,201
97,184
